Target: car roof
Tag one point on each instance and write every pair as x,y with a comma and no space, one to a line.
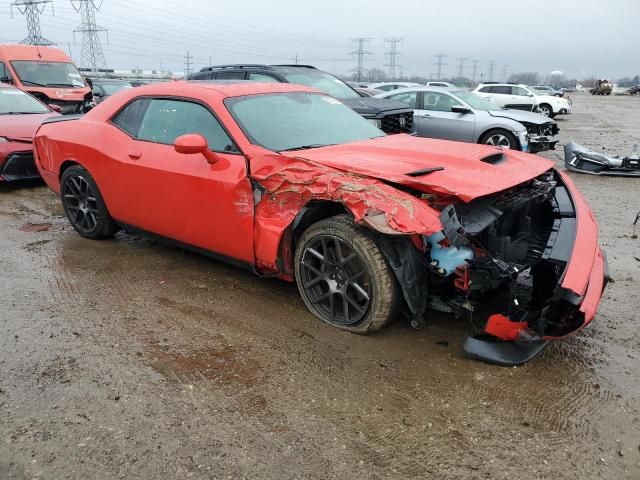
224,89
32,52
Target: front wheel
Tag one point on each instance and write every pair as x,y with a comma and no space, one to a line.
343,277
545,110
84,206
500,138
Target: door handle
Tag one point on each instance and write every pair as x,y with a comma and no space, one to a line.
135,155
424,115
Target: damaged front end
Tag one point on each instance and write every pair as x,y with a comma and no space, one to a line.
507,264
542,136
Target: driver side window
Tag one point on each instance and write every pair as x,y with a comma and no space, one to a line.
161,120
408,98
519,91
439,102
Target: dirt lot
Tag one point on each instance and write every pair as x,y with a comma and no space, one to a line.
129,359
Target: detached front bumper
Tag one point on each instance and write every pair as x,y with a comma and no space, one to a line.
574,244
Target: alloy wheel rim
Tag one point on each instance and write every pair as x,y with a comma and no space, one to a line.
80,203
499,140
336,280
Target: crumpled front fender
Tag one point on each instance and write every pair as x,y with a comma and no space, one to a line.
287,184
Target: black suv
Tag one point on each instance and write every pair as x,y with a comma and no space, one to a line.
388,115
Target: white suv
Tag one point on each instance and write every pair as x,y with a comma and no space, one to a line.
521,97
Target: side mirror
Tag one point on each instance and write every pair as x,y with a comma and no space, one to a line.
529,94
6,80
193,143
54,107
461,109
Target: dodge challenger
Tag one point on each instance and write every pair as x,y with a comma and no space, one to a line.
287,181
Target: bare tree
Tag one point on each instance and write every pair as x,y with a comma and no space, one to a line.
526,78
376,75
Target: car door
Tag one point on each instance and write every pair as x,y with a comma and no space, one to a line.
435,119
182,196
521,99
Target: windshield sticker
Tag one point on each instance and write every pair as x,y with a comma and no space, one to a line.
11,92
77,83
74,75
332,101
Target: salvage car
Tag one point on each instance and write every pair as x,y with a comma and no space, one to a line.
465,117
288,182
20,116
521,97
390,116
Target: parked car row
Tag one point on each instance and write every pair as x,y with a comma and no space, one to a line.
293,176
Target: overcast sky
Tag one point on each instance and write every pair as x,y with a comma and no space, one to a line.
579,37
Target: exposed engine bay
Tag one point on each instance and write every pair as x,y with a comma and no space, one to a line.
498,263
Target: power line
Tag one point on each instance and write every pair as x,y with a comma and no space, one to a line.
92,55
360,53
439,63
461,61
393,55
32,9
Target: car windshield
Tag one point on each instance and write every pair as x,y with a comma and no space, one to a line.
476,102
290,121
111,88
322,81
48,74
13,101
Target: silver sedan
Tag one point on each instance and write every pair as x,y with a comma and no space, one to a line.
463,116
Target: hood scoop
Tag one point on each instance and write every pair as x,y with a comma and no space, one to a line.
494,159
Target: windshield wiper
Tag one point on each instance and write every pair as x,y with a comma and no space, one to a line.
307,147
62,85
34,83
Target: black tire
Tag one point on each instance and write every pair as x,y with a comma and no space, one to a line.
84,206
500,138
324,284
546,110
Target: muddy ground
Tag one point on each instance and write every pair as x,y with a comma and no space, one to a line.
129,359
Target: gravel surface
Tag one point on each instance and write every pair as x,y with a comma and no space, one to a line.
129,359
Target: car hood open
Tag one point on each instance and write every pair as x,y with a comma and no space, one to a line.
463,170
521,116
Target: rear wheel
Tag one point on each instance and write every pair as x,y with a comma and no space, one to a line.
500,138
84,206
343,277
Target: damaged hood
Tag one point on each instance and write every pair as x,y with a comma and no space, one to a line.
463,170
521,116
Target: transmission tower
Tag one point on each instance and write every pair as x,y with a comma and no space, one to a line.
505,68
475,69
461,61
393,56
439,63
492,66
32,9
188,61
92,55
360,53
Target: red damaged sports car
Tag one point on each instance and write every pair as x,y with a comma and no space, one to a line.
286,181
20,116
